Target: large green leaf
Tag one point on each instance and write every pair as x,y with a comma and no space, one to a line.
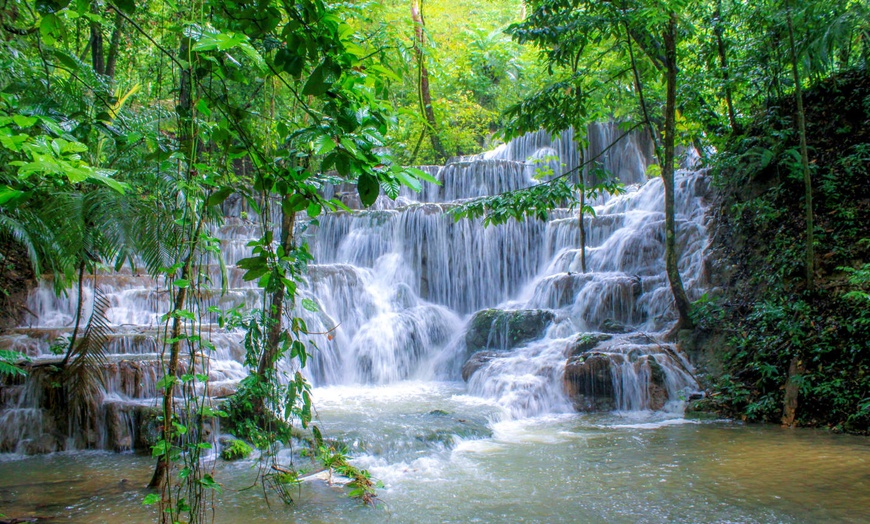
322,78
368,189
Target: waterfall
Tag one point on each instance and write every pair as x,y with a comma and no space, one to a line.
404,291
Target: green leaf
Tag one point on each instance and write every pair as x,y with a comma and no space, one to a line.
368,189
181,283
323,144
127,6
219,196
7,195
219,41
167,380
322,78
422,175
202,107
310,305
111,182
23,121
208,482
151,499
50,27
409,181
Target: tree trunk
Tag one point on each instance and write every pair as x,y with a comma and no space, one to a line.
186,144
114,47
161,470
98,61
582,215
276,311
805,165
680,299
423,77
723,64
792,390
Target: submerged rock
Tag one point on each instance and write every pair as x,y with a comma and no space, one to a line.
500,329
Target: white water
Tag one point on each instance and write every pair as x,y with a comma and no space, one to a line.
397,285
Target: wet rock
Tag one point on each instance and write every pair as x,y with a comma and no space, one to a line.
585,342
148,428
658,391
499,329
589,382
43,444
612,326
477,361
117,431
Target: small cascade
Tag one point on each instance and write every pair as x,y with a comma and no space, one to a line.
404,291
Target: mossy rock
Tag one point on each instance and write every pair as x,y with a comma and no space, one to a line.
499,329
585,342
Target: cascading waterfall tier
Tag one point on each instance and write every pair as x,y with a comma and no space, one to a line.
405,291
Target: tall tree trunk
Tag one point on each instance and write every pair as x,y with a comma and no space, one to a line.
114,47
187,145
98,61
723,64
581,218
680,299
805,165
423,77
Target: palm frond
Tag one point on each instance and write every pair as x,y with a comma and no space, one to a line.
83,377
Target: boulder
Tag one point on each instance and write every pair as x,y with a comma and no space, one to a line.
477,361
500,329
658,391
589,382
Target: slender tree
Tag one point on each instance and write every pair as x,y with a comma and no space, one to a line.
681,301
802,133
425,96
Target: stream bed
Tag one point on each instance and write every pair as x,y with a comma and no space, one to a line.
445,456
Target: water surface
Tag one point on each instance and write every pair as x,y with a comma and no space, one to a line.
445,456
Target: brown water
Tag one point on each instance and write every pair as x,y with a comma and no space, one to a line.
468,466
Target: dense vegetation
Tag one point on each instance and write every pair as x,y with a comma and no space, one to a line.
772,329
126,126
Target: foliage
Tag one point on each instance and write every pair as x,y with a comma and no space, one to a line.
237,449
536,201
9,361
769,318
